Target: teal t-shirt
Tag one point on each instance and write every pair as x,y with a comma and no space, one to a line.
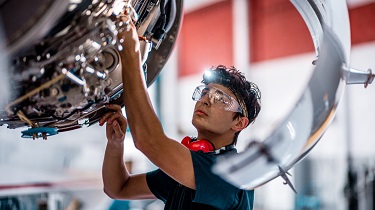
212,192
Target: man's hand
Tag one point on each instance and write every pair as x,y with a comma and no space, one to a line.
116,124
130,42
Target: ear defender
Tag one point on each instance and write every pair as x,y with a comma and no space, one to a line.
198,145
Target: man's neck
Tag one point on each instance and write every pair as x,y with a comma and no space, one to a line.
219,141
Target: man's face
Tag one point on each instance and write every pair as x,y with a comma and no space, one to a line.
208,116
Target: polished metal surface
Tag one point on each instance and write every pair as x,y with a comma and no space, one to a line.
64,60
301,130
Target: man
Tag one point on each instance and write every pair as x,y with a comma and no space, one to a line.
226,104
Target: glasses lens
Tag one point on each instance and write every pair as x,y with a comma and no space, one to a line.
197,95
221,98
218,97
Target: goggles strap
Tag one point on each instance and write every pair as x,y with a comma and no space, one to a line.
243,106
241,102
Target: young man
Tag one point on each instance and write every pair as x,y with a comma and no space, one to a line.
226,104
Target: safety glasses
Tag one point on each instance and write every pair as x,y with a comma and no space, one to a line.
217,97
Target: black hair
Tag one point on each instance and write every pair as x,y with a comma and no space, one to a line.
247,93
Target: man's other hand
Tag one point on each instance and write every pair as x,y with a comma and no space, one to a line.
116,124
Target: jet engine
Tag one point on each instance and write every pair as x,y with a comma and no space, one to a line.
64,64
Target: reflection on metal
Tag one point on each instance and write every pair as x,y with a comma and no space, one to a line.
314,14
301,130
317,14
355,76
328,14
64,57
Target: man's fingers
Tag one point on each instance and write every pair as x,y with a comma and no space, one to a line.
121,122
129,33
108,117
119,133
105,118
113,107
118,117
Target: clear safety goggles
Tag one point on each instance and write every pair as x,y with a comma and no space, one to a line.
217,97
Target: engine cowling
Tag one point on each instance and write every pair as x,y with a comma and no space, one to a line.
64,58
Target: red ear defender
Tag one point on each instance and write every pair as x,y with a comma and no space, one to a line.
186,141
198,145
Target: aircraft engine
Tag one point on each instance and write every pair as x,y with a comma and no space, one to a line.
64,61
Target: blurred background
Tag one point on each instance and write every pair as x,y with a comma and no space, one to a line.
270,43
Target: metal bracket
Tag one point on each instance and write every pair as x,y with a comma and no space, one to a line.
355,76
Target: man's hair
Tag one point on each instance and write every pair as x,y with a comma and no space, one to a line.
247,93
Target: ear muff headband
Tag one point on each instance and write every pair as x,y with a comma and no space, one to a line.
203,145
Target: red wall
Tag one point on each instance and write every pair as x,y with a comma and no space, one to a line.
206,38
276,30
362,23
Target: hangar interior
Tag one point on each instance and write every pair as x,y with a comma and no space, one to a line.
270,42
